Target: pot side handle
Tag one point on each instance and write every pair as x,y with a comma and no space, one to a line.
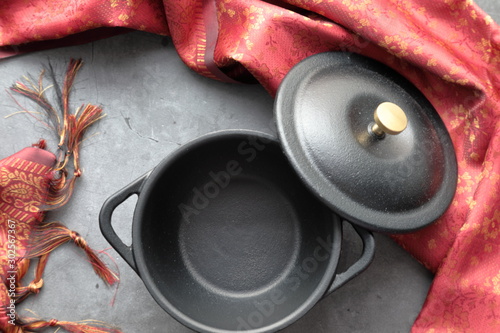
107,210
360,265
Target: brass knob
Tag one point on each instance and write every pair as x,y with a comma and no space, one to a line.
390,119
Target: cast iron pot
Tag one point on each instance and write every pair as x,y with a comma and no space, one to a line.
227,238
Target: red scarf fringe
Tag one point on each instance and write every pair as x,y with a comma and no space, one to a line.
46,237
34,287
89,326
70,129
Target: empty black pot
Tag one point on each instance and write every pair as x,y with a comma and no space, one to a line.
227,238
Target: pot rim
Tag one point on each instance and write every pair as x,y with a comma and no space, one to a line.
140,259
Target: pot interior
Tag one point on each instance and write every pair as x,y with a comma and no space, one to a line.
226,236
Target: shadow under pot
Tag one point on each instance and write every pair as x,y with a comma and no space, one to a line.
227,238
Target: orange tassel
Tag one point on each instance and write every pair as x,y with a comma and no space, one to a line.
89,115
37,283
88,326
70,129
73,68
61,191
36,93
48,236
75,126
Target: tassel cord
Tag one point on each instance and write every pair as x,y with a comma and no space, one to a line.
86,326
70,129
37,283
49,236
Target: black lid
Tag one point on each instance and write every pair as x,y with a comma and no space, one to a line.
325,115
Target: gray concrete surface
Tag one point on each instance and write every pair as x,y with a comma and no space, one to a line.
155,104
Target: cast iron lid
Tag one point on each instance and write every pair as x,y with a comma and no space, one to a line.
366,141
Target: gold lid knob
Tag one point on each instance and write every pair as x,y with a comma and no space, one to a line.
390,119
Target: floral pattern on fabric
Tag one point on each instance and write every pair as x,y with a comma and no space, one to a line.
24,188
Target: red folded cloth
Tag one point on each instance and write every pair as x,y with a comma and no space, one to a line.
448,48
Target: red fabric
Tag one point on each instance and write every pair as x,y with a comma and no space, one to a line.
25,182
24,185
448,48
